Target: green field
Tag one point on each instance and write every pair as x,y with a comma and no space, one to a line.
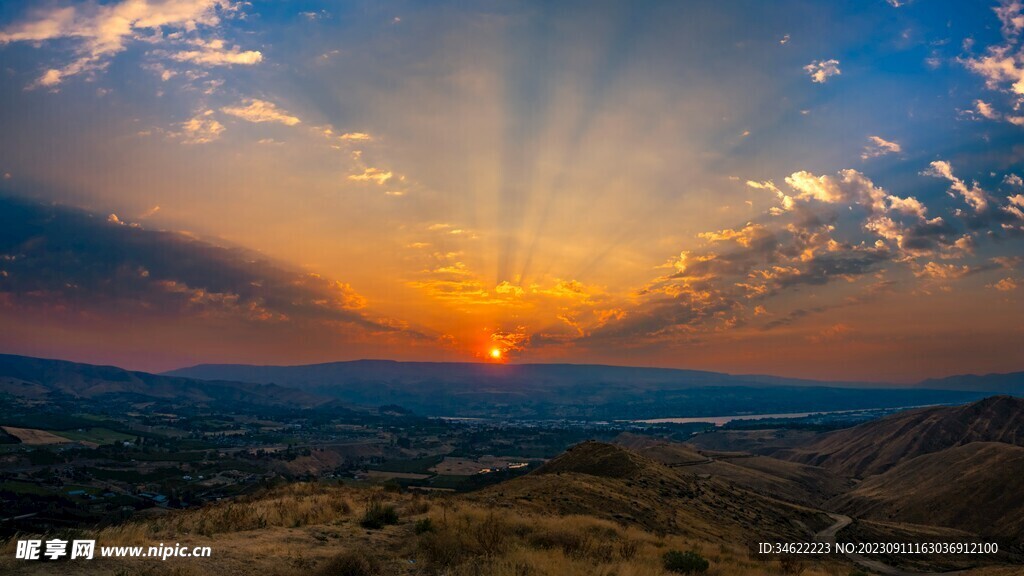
88,489
19,487
163,456
415,466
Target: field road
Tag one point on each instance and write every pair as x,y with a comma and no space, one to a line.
829,535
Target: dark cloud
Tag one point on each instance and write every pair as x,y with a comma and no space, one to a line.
870,293
928,235
60,258
839,264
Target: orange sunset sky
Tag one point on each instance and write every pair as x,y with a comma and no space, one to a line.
828,190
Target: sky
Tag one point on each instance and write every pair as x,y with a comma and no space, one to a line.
826,190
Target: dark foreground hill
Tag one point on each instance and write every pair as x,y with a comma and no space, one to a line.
571,390
877,446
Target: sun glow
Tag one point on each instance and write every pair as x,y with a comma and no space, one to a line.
495,353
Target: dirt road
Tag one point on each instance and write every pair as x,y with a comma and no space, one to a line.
829,535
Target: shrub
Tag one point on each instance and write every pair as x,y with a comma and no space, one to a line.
415,507
352,563
628,548
573,544
689,562
490,535
424,525
442,549
378,515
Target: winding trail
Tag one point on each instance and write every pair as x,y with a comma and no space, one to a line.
829,535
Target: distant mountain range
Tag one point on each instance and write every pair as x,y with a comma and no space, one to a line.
587,391
488,390
38,378
1011,383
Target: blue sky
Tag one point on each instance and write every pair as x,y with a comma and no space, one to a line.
539,178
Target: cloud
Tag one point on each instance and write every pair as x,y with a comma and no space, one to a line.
255,110
878,146
1011,15
201,129
216,53
827,228
60,258
785,201
1002,64
314,16
99,31
943,271
356,136
850,186
508,341
910,206
999,67
821,70
1015,206
836,331
744,236
984,109
375,175
1004,285
973,194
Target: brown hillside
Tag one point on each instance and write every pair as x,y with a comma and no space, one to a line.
975,487
664,451
613,483
596,459
874,447
790,481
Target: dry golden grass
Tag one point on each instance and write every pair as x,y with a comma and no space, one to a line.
305,529
33,437
293,506
314,530
471,540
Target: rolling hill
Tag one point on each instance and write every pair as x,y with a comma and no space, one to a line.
614,483
874,447
790,481
975,487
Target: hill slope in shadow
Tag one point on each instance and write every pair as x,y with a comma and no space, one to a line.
877,446
978,487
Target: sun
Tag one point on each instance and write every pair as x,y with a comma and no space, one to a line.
495,353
